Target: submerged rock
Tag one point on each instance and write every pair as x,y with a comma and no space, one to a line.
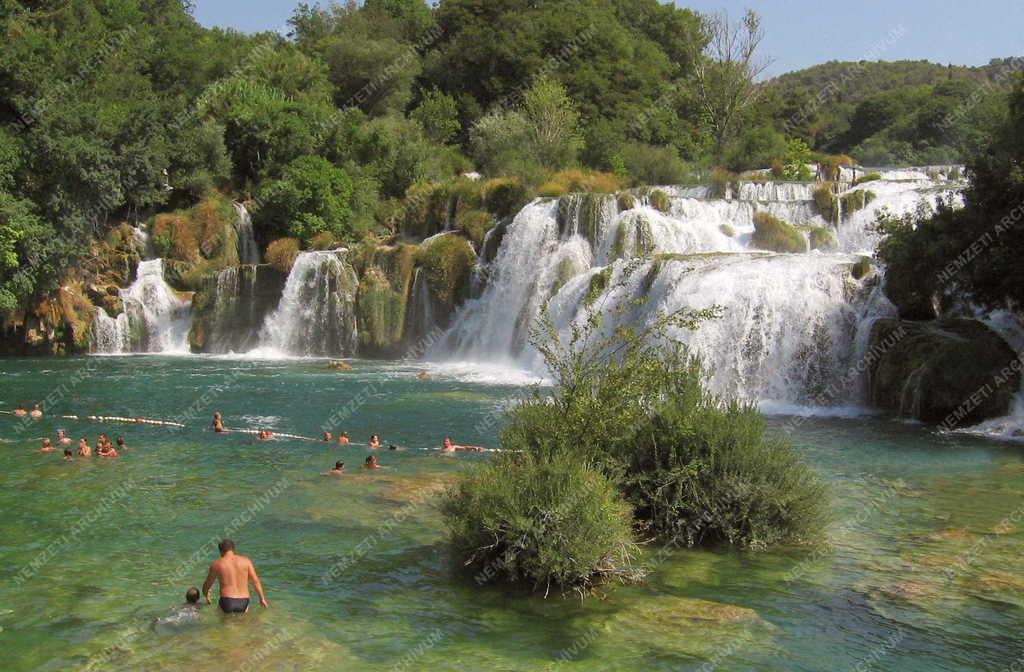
954,372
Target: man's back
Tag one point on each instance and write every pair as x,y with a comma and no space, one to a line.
233,572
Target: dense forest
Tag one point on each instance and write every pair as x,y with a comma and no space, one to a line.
359,124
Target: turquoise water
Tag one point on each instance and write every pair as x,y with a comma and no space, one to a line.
921,574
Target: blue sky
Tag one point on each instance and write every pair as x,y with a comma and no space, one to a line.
799,32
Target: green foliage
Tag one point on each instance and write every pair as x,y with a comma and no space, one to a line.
439,116
549,523
654,165
798,155
311,197
771,233
504,196
826,202
718,182
598,284
868,177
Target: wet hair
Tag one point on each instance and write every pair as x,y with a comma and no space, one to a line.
192,595
369,459
339,465
345,434
120,441
225,545
67,452
392,446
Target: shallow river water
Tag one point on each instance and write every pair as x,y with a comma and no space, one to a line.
923,571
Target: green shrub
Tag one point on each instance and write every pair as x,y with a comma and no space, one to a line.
771,233
718,182
822,239
281,254
869,177
556,523
504,196
474,223
860,268
660,201
652,164
324,240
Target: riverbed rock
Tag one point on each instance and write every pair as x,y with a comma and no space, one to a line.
954,372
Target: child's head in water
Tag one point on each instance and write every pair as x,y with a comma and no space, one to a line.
192,595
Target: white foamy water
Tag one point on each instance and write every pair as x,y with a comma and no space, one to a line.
155,319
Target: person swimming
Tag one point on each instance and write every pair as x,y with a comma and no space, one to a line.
339,469
36,413
67,455
120,443
48,447
19,411
218,422
106,450
343,439
448,447
374,442
83,448
328,437
371,463
264,435
62,438
392,446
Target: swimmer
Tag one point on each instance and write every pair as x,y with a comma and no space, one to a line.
371,463
343,439
106,450
339,469
62,438
327,437
374,442
449,447
234,573
264,435
67,455
120,443
83,448
392,446
192,599
36,413
48,447
19,411
218,422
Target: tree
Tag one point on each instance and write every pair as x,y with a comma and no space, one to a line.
312,196
726,73
439,114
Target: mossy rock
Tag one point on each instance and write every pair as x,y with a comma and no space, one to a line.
826,202
492,242
448,262
771,233
380,313
955,372
660,201
565,272
860,268
282,253
727,230
475,224
822,239
869,177
856,200
598,284
582,214
633,238
627,201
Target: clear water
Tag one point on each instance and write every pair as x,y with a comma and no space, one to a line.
889,595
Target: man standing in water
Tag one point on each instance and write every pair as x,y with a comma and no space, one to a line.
234,573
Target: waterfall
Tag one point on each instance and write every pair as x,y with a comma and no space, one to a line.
154,318
248,250
420,320
316,314
791,324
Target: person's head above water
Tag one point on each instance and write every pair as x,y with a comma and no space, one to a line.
120,441
338,466
225,546
192,595
447,441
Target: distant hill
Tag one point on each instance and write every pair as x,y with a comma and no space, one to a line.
888,111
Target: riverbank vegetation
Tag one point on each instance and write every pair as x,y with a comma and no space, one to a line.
629,409
389,120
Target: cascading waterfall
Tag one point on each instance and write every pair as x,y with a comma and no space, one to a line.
248,250
316,314
420,320
791,325
154,319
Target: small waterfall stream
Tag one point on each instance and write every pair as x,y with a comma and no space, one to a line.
248,250
316,315
155,319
